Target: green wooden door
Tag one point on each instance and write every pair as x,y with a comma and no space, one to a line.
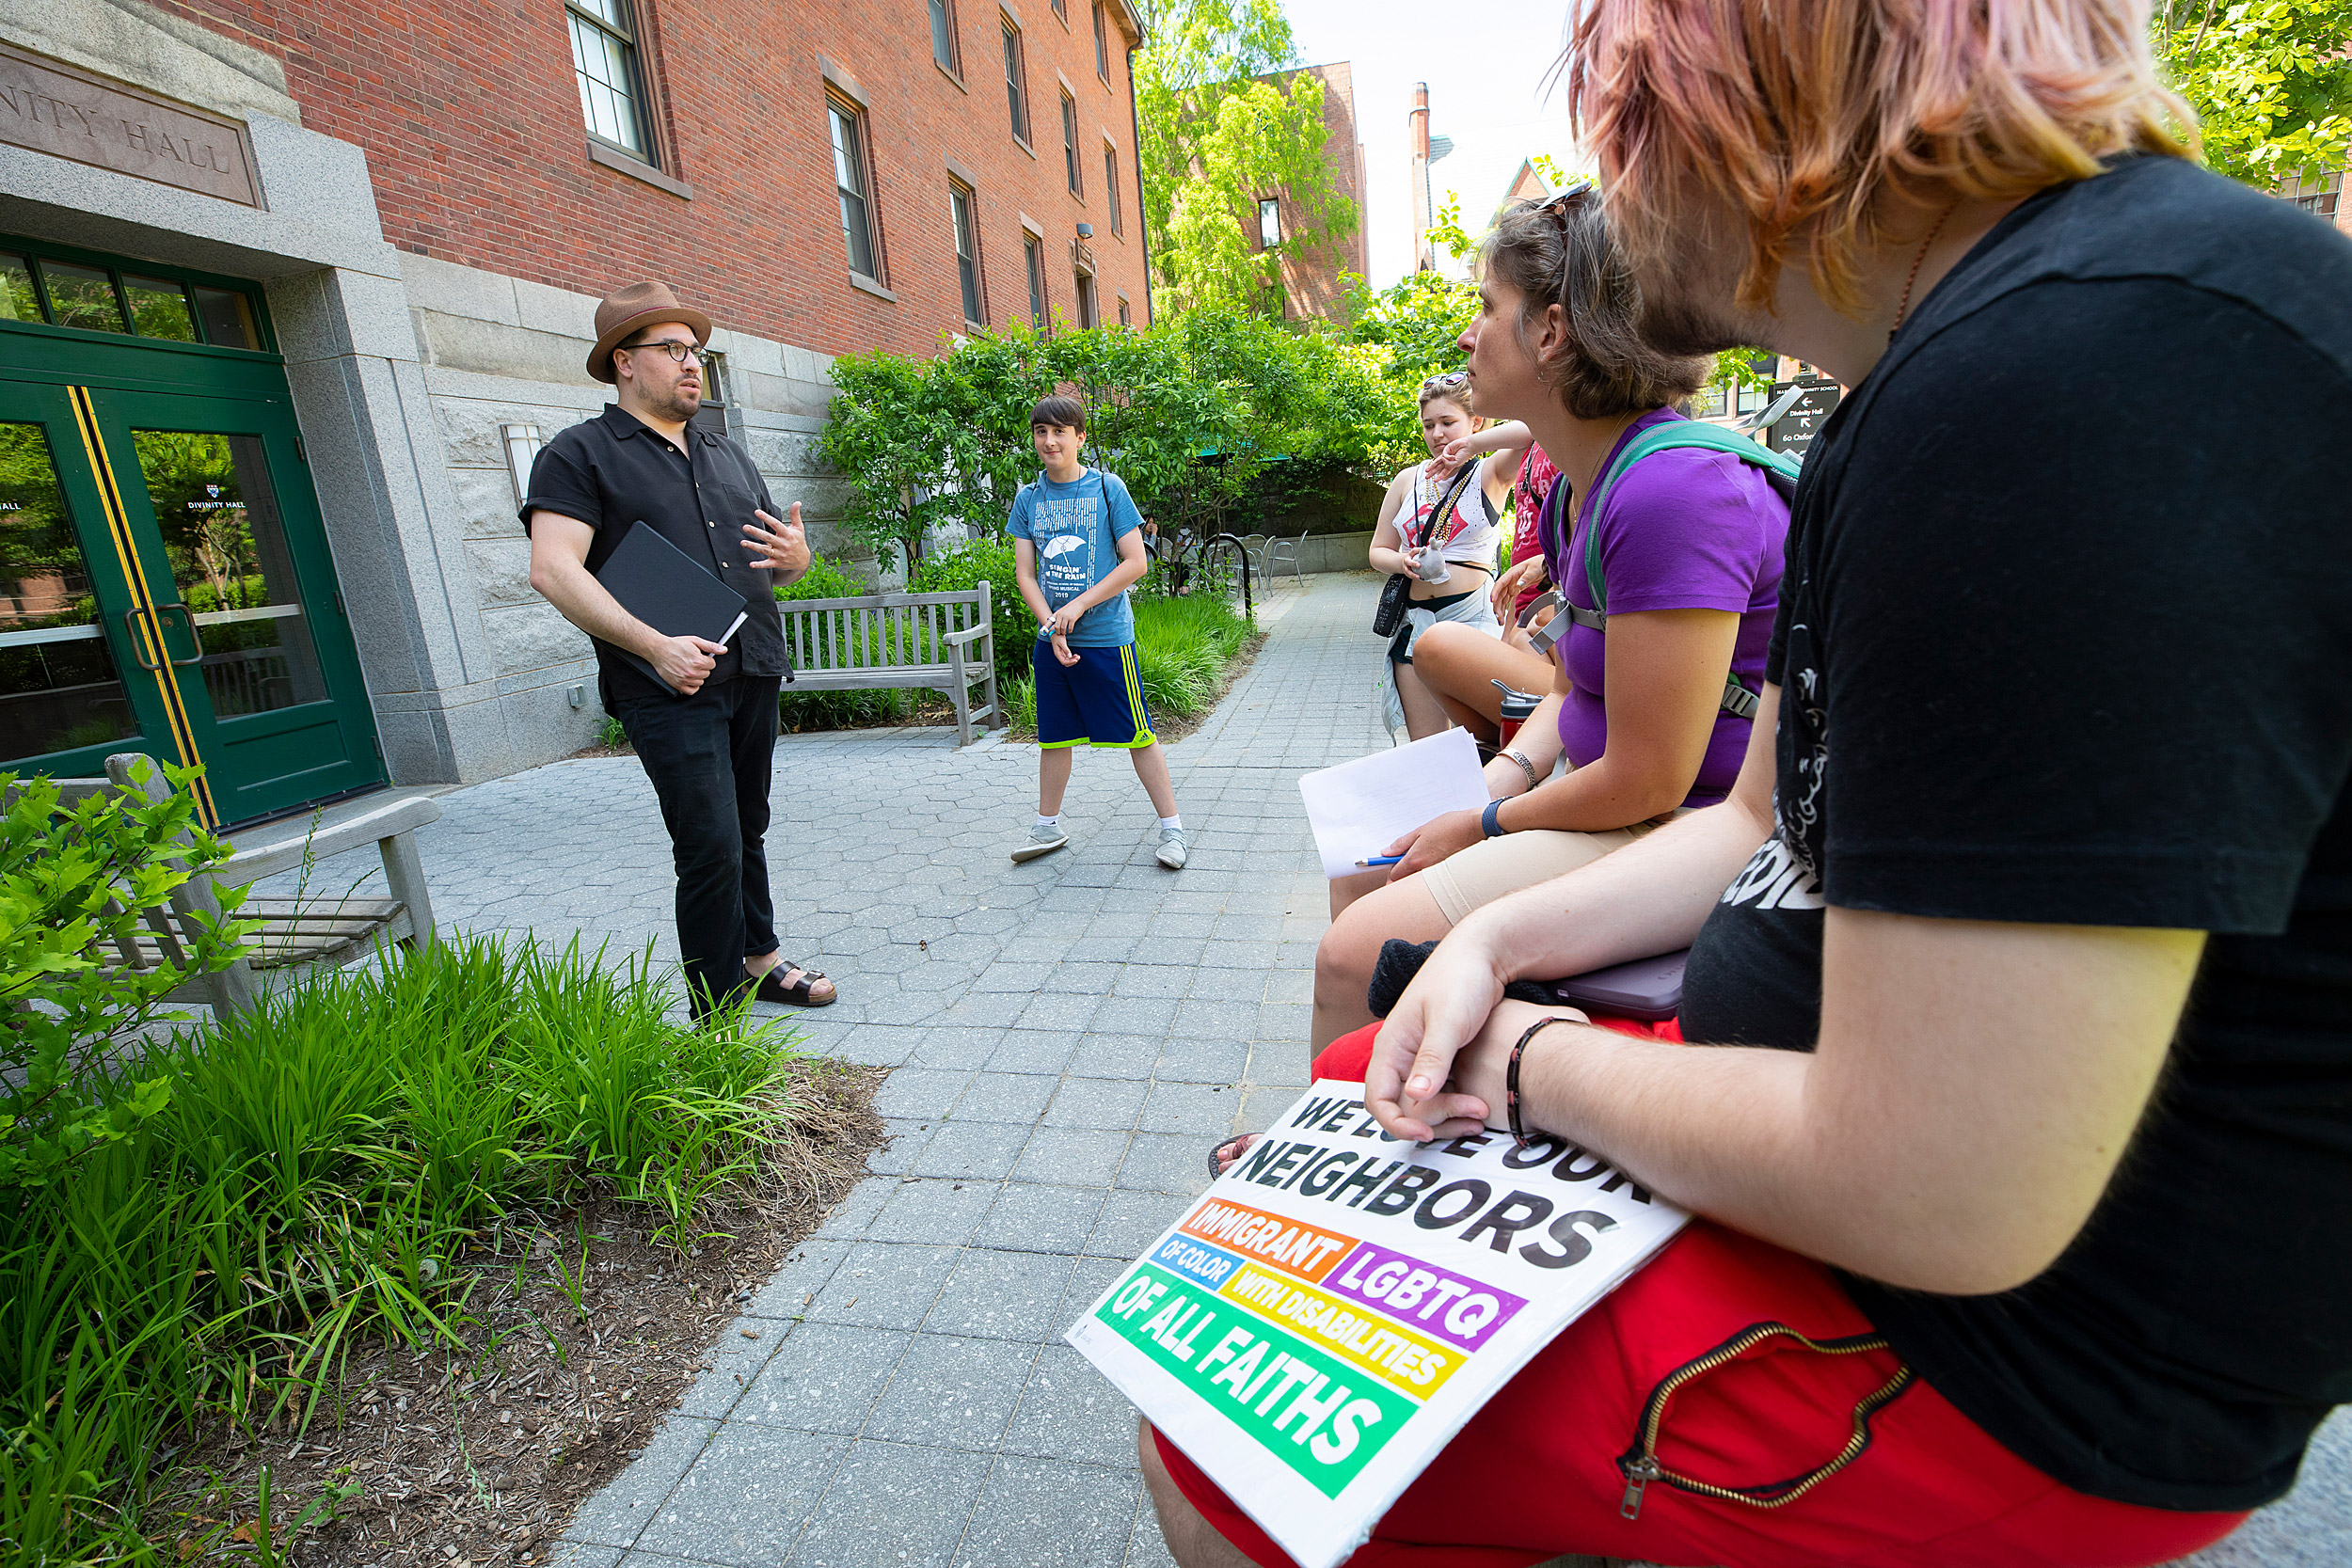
80,673
162,547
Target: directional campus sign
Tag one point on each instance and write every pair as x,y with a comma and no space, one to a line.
1326,1318
1794,430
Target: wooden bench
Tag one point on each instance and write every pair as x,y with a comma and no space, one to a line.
294,933
907,641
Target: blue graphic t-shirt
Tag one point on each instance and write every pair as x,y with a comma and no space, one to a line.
1076,528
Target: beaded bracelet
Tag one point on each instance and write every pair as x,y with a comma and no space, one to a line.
1511,1079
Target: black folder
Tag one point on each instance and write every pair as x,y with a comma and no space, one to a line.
670,591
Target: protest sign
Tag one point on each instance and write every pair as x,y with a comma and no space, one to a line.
1317,1326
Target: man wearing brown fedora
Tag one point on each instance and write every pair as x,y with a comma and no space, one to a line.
708,743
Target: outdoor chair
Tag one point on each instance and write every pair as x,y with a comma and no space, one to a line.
1279,552
294,934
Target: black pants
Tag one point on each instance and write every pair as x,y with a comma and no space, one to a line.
708,756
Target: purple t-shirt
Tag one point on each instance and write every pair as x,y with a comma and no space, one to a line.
1685,529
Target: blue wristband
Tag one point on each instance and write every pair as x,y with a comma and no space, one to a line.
1490,820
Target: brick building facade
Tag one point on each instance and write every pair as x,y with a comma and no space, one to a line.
1317,284
471,114
422,203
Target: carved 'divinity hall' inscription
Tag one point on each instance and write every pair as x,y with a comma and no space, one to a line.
50,108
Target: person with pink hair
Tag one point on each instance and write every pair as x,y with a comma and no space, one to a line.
2020,1141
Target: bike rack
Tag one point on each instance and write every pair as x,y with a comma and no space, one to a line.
1249,607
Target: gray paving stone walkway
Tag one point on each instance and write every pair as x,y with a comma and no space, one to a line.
1066,1038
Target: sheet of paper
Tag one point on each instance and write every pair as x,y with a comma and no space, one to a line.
1359,808
1320,1324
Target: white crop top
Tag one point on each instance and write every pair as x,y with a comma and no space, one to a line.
1472,533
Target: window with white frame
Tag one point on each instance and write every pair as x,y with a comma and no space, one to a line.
943,37
852,183
1016,83
612,90
1269,222
1110,183
967,239
1033,253
2316,194
1070,146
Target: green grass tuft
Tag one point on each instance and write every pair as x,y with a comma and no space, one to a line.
1182,648
322,1166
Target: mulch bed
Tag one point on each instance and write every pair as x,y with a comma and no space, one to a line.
453,1457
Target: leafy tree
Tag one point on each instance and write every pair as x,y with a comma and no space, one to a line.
2270,80
1410,330
1216,137
1191,414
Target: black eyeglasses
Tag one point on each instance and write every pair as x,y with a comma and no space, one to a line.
675,350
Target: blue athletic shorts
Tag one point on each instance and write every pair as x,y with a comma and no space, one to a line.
1098,700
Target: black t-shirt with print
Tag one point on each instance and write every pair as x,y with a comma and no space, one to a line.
2066,637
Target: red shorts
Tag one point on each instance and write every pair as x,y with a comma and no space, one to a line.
1534,1473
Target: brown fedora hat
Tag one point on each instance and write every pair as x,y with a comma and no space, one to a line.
625,310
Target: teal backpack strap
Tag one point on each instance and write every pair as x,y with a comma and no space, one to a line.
1676,433
1737,699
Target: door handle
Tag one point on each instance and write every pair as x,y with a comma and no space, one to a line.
195,639
131,619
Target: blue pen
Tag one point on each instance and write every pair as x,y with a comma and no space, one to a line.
1381,860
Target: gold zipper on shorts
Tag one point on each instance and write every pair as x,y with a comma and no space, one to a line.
1640,1463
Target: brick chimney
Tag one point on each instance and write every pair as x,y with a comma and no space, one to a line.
1424,258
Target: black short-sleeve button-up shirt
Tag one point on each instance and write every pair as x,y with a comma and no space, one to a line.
613,470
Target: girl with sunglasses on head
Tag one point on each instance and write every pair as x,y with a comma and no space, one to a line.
1446,550
1669,588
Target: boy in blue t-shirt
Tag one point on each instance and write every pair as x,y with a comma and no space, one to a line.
1078,547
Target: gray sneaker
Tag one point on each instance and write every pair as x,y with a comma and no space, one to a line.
1171,851
1043,840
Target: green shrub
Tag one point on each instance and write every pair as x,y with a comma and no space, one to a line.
316,1171
1189,412
71,883
1182,648
965,567
825,580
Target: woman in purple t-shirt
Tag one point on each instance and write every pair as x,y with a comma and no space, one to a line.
1690,545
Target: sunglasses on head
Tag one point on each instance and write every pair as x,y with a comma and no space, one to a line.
1574,196
1445,383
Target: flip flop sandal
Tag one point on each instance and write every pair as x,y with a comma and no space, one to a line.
797,993
1231,1150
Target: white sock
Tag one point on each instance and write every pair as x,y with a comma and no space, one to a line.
1175,822
1045,821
